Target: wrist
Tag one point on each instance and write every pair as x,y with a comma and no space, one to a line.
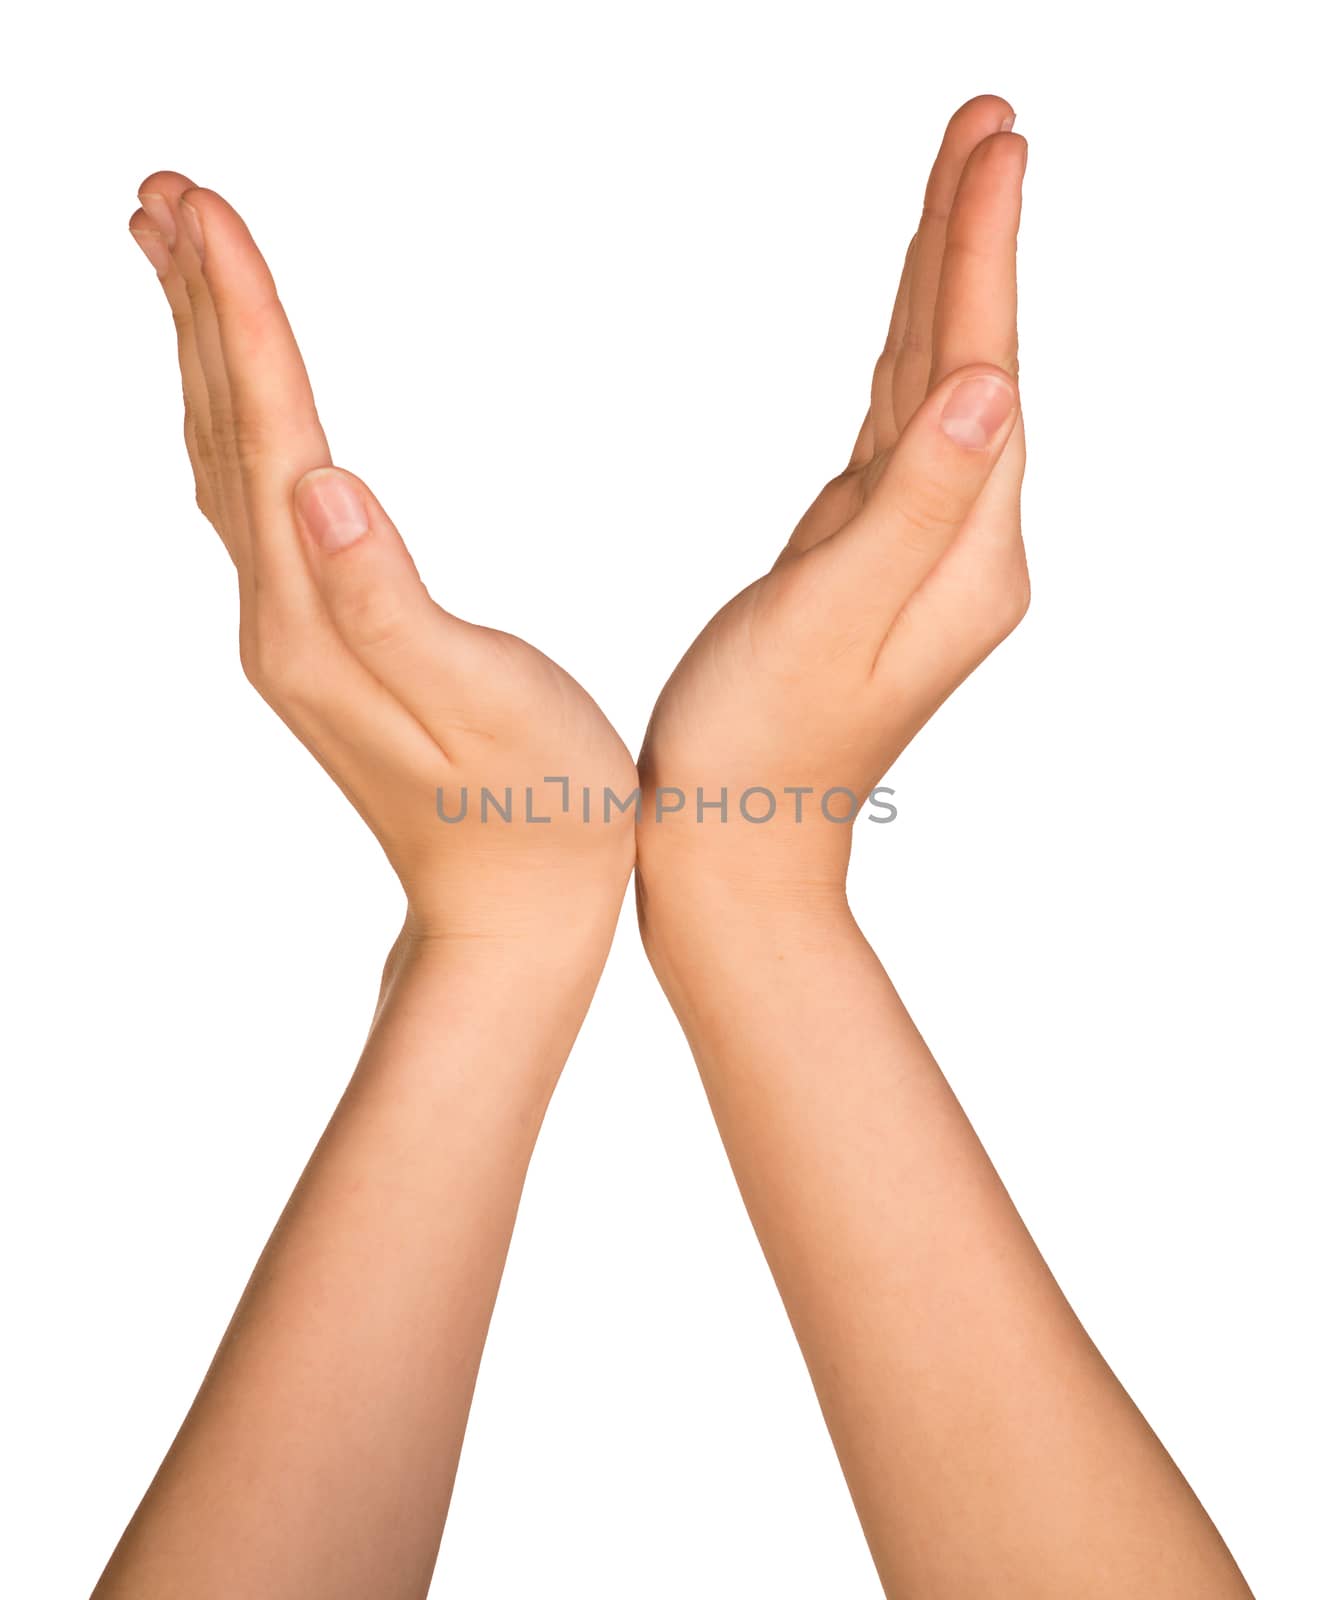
558,938
521,904
705,839
526,930
704,915
513,1000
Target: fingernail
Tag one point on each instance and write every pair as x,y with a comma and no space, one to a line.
1006,125
192,226
153,247
976,410
332,508
158,208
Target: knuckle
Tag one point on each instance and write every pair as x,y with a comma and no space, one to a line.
1010,598
250,438
220,421
277,664
925,512
204,448
914,340
369,613
251,660
965,249
1017,599
196,303
197,446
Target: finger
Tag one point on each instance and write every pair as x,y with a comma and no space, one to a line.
352,725
371,745
191,303
153,226
153,245
378,604
863,448
962,611
273,420
274,414
925,493
975,121
880,429
975,314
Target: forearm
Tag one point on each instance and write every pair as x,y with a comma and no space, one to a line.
983,1437
320,1453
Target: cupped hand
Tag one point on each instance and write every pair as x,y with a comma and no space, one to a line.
903,575
396,697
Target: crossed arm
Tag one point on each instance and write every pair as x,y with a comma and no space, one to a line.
988,1448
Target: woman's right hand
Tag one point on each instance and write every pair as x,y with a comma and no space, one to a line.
394,696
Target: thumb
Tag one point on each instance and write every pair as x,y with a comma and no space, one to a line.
927,489
373,593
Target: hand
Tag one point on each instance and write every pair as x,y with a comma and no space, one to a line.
903,575
393,695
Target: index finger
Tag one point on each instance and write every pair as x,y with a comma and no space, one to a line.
975,312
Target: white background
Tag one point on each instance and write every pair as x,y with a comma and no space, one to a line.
590,295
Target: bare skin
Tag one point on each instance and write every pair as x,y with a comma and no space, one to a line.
989,1449
319,1455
